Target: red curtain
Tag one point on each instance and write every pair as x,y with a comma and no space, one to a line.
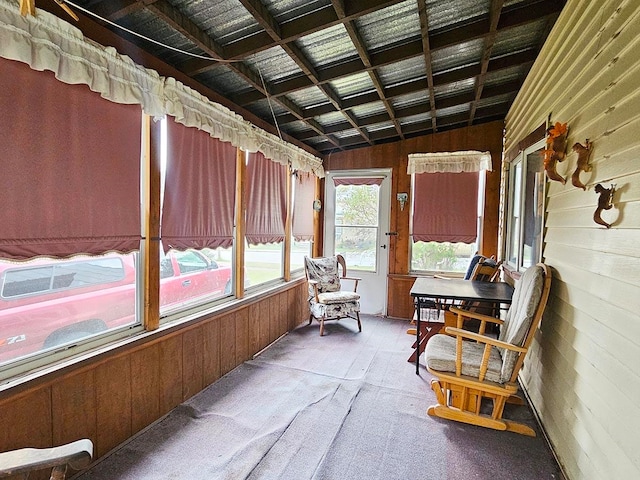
266,200
304,195
70,168
199,193
445,207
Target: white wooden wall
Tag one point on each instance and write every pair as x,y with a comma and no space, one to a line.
583,373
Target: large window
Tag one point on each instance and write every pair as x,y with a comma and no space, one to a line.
47,303
525,209
265,219
446,220
303,191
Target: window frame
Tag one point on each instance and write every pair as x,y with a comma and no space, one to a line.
515,236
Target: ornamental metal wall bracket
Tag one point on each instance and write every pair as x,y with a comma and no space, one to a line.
555,150
583,152
605,202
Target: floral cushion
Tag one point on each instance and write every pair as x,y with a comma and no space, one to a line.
334,310
337,297
324,271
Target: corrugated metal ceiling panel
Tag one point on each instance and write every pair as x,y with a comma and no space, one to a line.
328,46
444,14
225,20
274,64
353,84
390,26
403,71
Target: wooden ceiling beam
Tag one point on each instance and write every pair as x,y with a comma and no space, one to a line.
495,10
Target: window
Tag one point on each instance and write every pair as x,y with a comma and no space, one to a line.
265,219
525,214
193,276
303,192
445,225
46,303
356,222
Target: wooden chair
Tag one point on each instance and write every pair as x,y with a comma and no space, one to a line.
481,269
20,463
327,300
486,368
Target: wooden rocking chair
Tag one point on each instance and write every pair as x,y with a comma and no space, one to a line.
487,368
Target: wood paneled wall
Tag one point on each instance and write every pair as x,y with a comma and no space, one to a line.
483,137
581,373
112,396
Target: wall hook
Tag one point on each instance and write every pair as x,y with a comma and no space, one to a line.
583,152
402,198
605,202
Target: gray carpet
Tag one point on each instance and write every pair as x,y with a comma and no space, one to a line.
344,406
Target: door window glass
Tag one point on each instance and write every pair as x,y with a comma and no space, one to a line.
356,225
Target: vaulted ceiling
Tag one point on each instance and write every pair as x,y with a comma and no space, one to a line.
341,74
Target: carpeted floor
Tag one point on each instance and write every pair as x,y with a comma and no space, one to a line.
344,406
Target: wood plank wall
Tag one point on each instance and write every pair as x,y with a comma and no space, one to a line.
483,137
581,373
111,397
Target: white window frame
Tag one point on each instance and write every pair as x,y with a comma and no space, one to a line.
514,239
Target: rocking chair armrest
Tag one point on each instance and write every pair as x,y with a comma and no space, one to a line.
459,332
77,454
475,315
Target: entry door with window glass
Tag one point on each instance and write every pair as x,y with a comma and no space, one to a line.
356,222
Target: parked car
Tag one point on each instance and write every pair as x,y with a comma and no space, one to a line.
47,303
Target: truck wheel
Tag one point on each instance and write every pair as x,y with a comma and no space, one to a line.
77,331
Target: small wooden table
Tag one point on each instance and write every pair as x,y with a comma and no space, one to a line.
426,290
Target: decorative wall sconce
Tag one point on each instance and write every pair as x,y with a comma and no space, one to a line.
605,202
583,152
555,151
403,198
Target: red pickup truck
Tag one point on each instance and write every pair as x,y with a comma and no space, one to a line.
47,303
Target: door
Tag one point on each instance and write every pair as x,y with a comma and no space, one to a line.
357,207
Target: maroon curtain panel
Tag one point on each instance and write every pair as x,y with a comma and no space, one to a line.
69,168
445,207
266,200
199,193
304,195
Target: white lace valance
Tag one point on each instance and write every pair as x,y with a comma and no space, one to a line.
449,162
46,42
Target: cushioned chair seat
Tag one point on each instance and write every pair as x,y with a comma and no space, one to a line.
440,355
329,298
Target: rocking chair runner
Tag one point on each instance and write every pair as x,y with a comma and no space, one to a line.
327,300
486,368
